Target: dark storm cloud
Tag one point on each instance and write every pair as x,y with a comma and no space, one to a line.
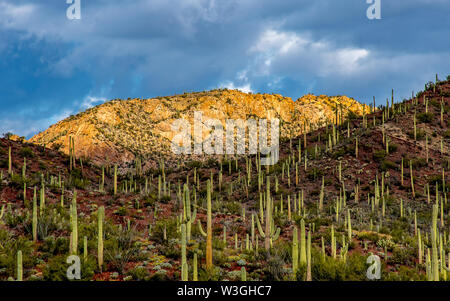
52,67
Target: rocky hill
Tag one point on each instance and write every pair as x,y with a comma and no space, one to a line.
121,130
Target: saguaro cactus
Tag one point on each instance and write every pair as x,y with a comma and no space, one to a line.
74,222
115,179
195,269
72,152
102,183
412,179
208,233
9,161
35,219
42,200
19,266
243,274
434,250
419,244
100,218
270,233
24,168
333,243
349,226
321,194
302,242
62,194
85,248
188,216
294,252
184,266
308,258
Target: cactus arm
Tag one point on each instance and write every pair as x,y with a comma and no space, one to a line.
2,212
260,228
277,234
193,216
201,229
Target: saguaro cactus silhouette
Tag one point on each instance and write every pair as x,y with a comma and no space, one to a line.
208,233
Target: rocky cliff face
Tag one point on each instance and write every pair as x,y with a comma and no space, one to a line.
121,130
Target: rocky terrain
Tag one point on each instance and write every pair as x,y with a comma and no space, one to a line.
376,184
120,131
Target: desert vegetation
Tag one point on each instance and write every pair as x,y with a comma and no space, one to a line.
376,182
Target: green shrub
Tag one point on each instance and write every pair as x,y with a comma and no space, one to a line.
403,256
446,134
56,269
330,269
194,164
274,270
425,117
233,207
9,246
417,162
314,174
26,152
165,199
214,274
405,274
420,134
77,179
171,229
122,250
386,164
52,246
437,179
393,148
139,273
149,200
121,211
379,155
371,236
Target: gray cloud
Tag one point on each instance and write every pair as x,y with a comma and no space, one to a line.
144,48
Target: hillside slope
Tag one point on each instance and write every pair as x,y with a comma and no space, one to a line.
366,186
121,130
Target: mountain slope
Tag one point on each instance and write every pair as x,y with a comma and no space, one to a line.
373,201
118,131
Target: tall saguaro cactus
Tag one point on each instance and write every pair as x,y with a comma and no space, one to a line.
270,233
100,218
115,179
72,152
34,219
349,226
412,179
434,250
308,258
188,216
302,242
9,161
184,266
294,252
74,220
19,266
208,233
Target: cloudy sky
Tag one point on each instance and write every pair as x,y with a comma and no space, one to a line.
52,67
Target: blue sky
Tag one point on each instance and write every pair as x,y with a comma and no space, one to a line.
52,67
